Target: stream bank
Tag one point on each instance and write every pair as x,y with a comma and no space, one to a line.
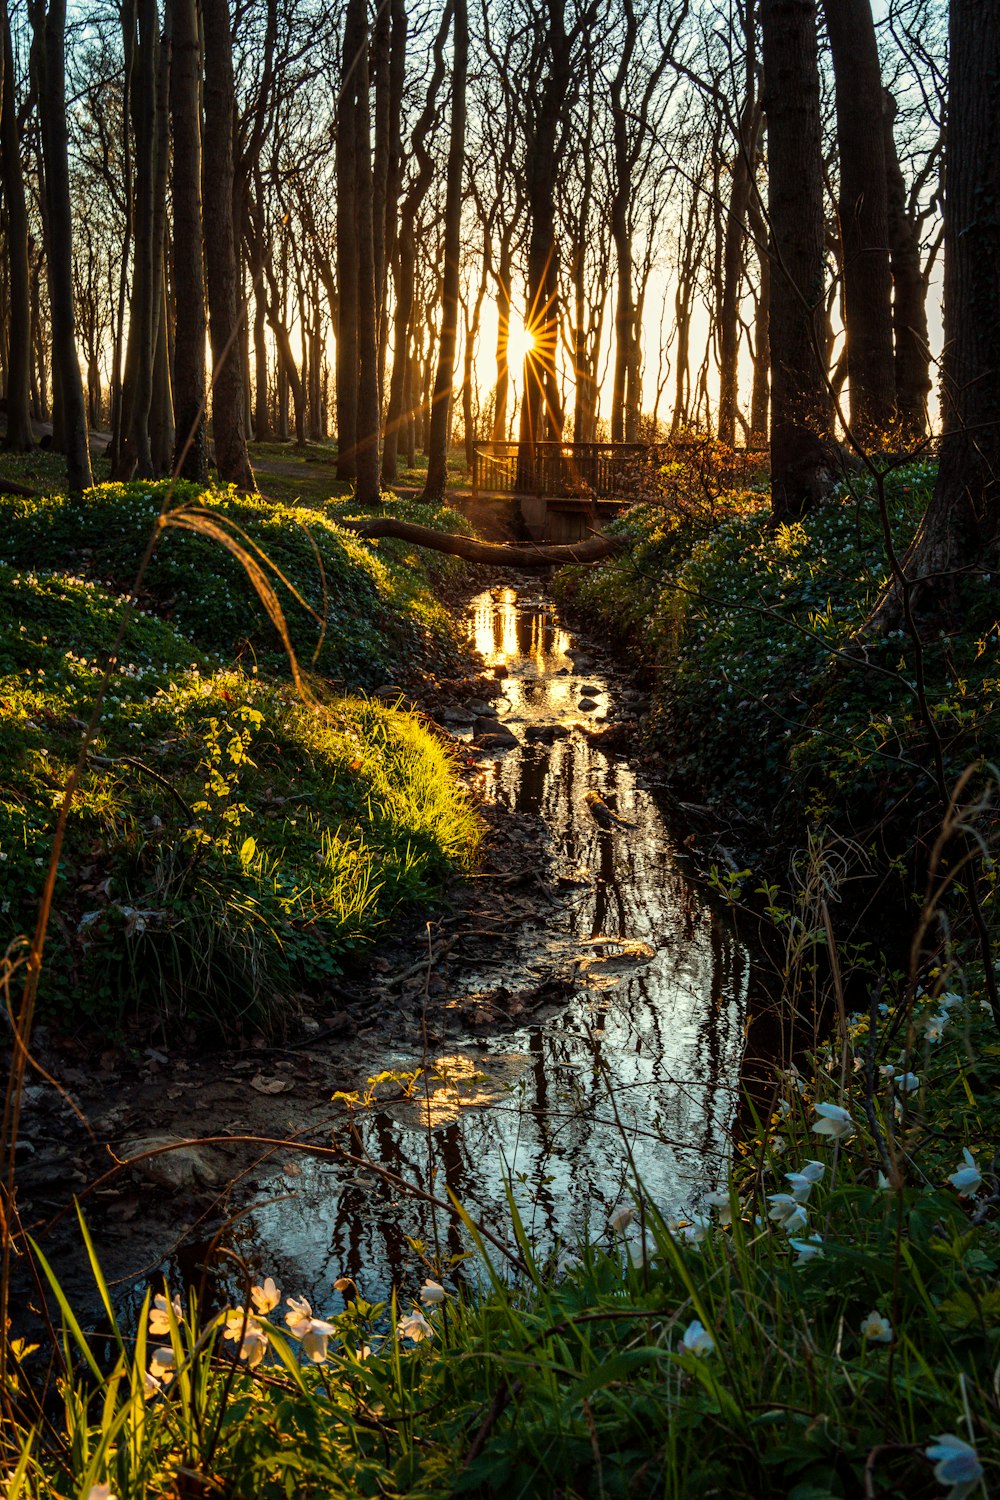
575,1018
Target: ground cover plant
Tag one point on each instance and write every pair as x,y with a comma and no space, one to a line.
357,612
773,697
229,842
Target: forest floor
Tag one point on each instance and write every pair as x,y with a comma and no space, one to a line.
833,1339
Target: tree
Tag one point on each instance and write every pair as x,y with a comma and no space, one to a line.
863,213
445,377
401,384
737,213
49,24
960,533
221,261
190,457
20,435
799,403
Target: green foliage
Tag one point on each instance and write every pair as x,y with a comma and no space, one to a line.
373,597
769,697
228,844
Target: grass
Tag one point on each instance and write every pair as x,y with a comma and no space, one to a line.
229,845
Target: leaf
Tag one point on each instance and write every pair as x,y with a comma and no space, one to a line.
264,1085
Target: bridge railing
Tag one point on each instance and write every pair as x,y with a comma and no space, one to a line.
588,470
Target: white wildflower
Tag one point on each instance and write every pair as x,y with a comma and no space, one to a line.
806,1250
876,1329
414,1326
697,1340
833,1121
956,1463
966,1178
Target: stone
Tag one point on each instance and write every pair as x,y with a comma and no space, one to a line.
500,670
183,1167
488,728
460,716
586,705
589,691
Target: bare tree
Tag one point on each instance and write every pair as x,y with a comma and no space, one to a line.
437,469
226,311
800,407
863,214
48,18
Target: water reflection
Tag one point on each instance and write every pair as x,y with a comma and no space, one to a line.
635,1074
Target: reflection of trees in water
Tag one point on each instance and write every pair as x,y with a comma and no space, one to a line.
668,1037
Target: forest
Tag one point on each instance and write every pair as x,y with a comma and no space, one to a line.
499,669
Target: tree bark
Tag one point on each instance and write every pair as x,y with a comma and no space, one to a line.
367,460
864,231
221,255
548,97
960,533
800,469
50,20
401,394
909,296
348,250
529,557
20,435
191,449
734,246
437,465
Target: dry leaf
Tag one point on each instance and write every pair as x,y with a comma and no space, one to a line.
271,1085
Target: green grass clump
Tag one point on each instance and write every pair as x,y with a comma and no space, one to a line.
229,844
368,610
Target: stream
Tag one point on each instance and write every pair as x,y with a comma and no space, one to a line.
633,1071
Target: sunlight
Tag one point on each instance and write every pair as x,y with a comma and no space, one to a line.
520,341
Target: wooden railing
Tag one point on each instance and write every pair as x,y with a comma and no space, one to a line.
588,470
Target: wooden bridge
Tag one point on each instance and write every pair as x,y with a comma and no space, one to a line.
565,490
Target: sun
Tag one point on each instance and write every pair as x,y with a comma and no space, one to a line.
520,341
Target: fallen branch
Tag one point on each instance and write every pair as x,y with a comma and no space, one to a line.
530,556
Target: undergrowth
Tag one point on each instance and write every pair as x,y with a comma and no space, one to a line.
771,697
369,614
228,844
825,1326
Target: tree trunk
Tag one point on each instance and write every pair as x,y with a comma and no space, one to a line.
444,380
909,296
800,472
541,410
221,259
59,219
369,414
864,229
347,246
734,246
20,435
162,432
191,449
399,415
961,531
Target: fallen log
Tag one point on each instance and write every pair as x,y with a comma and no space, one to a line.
529,556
